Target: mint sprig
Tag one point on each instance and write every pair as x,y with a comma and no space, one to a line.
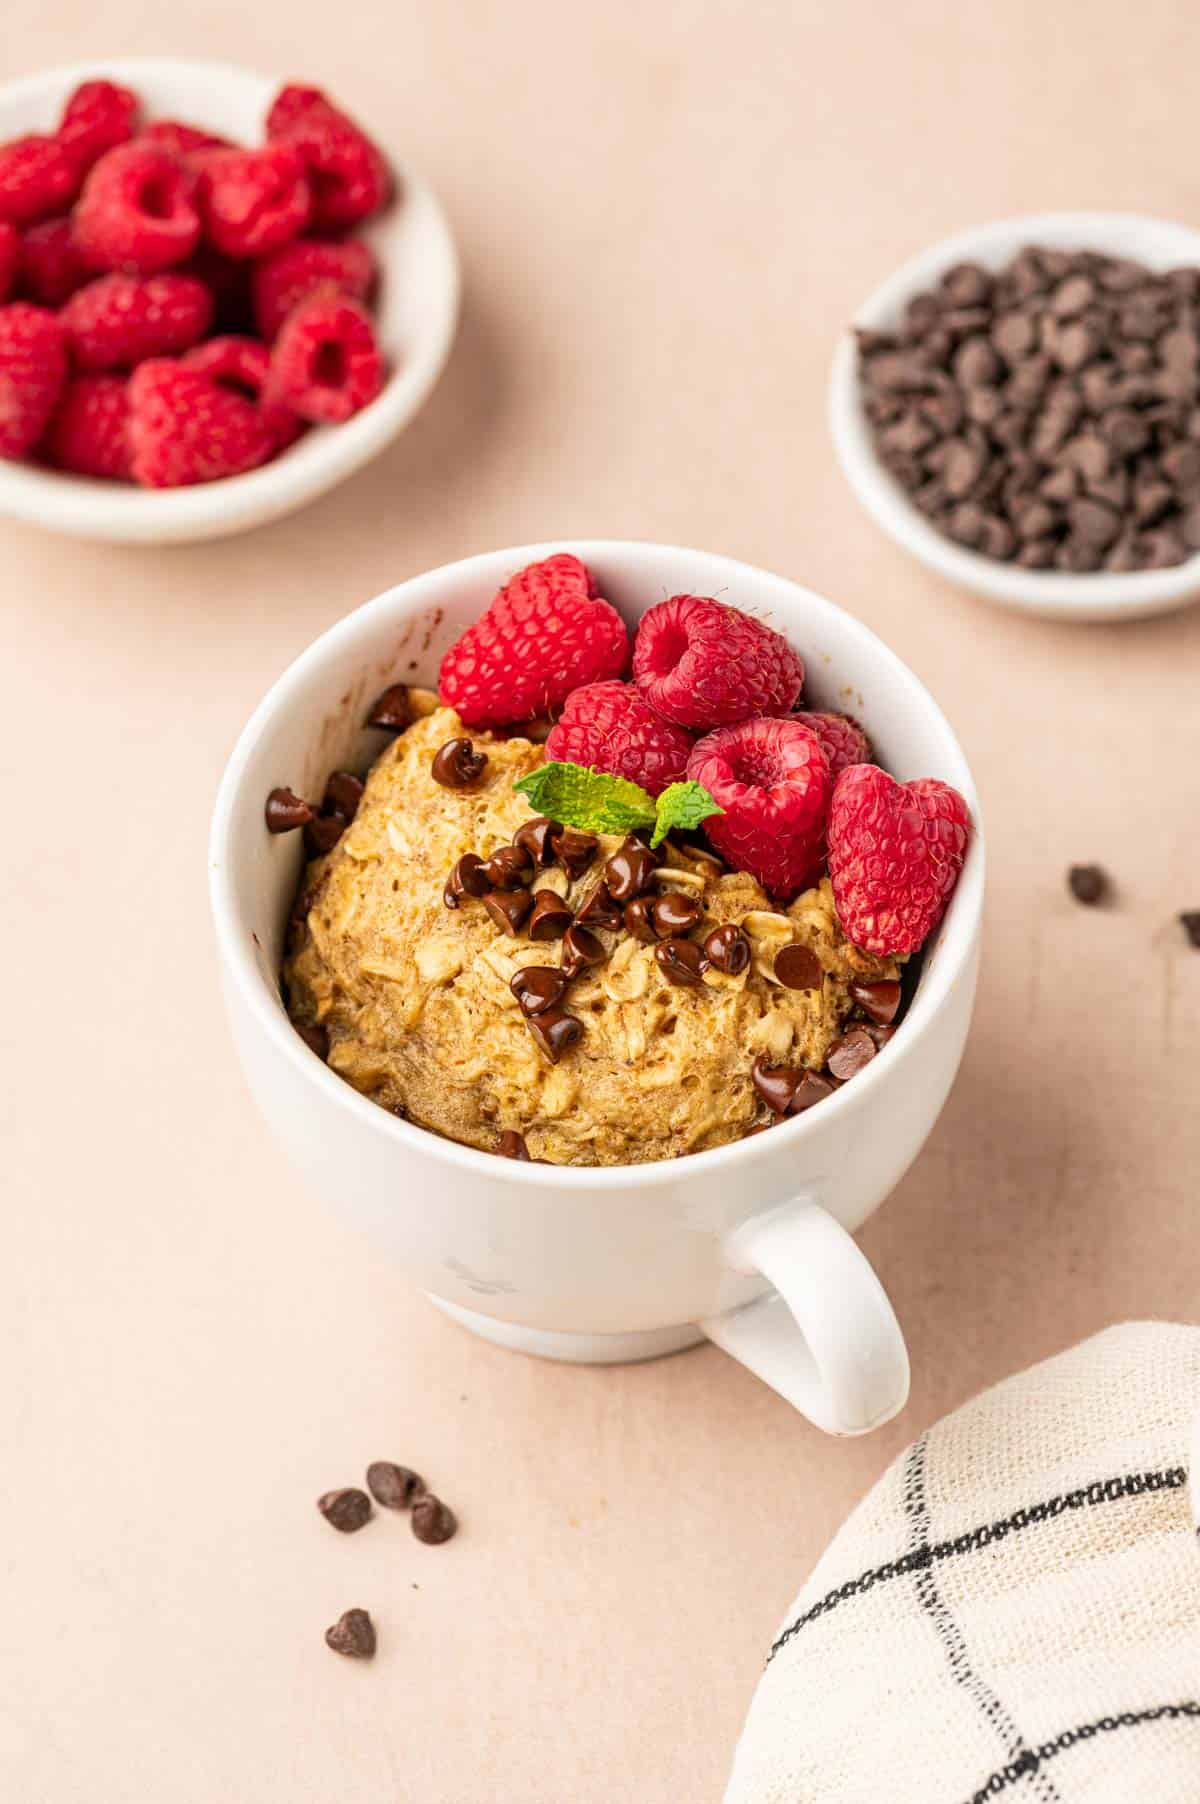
595,801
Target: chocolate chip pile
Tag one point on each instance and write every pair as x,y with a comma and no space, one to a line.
394,1488
1047,414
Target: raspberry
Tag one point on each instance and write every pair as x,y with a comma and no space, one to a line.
704,665
348,174
326,364
137,211
118,321
283,280
98,116
185,428
546,633
840,738
89,434
228,281
771,779
253,201
895,852
52,264
33,369
611,726
37,177
10,252
182,140
243,365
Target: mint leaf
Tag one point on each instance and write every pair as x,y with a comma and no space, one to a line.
683,805
593,800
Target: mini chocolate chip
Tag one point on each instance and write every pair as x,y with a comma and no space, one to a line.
314,1037
392,711
346,1510
534,837
812,1089
393,1486
509,867
555,1032
581,948
1189,920
511,1145
509,908
573,849
343,793
682,962
728,949
798,968
432,1520
551,916
322,834
878,1001
468,878
600,910
1087,883
674,914
457,765
353,1634
776,1084
629,870
285,811
848,1055
538,987
880,1034
639,920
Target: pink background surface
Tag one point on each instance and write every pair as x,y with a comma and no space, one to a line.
666,213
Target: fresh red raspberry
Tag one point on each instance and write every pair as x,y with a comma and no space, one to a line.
771,779
182,140
244,366
137,211
349,176
228,281
37,177
611,726
546,633
118,321
895,853
97,117
89,434
33,369
280,282
840,738
10,255
326,364
253,201
52,266
703,665
185,428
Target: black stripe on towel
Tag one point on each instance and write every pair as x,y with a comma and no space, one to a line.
950,1634
1105,1490
1033,1759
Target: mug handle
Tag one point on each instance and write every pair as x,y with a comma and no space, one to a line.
827,1338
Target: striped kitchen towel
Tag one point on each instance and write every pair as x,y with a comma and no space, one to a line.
1014,1610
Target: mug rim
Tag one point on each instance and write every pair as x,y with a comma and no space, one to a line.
961,925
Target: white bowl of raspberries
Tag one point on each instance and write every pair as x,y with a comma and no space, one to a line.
218,298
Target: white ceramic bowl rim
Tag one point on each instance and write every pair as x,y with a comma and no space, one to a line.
325,456
1099,595
954,951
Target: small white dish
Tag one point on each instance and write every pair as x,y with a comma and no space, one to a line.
415,318
1160,244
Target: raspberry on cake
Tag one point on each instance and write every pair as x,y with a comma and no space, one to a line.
611,726
702,664
772,783
895,854
840,738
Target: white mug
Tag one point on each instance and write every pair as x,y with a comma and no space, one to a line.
749,1244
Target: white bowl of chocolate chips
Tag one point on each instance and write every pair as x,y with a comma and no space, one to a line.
1019,408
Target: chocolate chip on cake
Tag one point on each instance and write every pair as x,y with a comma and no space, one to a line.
322,834
849,1054
555,1032
674,914
392,711
509,867
534,837
600,911
581,948
798,968
551,916
573,849
639,920
776,1084
343,793
538,988
285,811
629,871
511,1145
727,949
468,878
314,1037
878,1001
681,962
457,765
509,908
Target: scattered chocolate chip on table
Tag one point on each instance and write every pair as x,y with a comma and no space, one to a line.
1088,883
353,1634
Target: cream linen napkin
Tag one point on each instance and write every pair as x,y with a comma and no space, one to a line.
1014,1610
